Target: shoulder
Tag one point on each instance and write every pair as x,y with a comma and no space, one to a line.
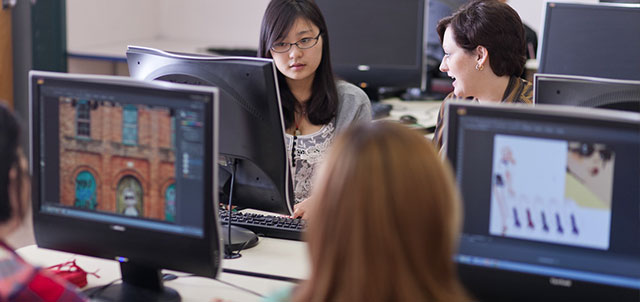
353,105
352,94
521,92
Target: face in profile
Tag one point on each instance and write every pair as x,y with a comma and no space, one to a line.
299,64
592,165
459,64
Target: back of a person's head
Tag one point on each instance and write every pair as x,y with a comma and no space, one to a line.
9,158
384,221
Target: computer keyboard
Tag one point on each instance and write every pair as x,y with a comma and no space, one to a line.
266,225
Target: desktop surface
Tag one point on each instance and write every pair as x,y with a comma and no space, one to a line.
283,258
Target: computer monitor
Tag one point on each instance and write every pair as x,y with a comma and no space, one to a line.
598,39
551,201
377,43
586,91
254,168
122,170
619,1
251,124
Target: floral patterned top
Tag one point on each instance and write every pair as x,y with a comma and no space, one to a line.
310,151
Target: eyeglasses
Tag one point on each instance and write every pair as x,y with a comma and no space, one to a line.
304,43
587,150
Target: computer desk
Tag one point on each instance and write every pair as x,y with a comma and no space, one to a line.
271,256
426,112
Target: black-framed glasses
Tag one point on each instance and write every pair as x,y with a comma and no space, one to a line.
587,150
304,43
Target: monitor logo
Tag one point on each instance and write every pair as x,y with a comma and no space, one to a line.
118,228
560,282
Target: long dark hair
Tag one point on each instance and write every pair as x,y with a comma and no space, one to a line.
9,139
276,23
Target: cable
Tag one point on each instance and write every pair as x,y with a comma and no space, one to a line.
229,284
98,290
261,275
240,288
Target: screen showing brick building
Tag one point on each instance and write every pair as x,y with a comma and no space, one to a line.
121,154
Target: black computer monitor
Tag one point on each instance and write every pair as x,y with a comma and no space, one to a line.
586,91
251,124
254,168
599,40
122,170
377,43
619,1
551,201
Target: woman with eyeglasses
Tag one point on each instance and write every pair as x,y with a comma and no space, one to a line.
315,104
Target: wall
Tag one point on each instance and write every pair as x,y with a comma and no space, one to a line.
217,23
96,22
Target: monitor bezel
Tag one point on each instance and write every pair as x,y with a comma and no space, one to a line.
539,287
126,243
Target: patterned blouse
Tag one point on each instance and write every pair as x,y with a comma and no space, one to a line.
518,91
309,152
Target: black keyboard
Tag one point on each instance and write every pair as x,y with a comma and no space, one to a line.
266,225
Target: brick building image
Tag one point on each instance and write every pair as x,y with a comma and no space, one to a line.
116,158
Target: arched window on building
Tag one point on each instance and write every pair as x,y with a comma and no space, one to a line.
129,197
170,203
83,118
130,125
86,191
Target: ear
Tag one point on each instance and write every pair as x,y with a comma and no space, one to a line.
482,55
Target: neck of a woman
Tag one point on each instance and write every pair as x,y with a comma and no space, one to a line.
301,89
493,88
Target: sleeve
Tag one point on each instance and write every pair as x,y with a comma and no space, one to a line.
45,287
363,112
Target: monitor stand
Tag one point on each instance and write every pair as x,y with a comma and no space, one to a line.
235,237
139,283
241,239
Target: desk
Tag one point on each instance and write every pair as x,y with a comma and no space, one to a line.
271,256
426,112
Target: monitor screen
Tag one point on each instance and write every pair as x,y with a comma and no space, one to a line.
122,170
251,124
586,91
599,40
377,43
551,198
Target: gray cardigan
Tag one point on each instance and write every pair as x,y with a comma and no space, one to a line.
353,105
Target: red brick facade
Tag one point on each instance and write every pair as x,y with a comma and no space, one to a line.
103,154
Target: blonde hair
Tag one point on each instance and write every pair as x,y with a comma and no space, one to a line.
384,222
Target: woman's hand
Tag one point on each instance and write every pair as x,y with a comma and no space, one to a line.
300,209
